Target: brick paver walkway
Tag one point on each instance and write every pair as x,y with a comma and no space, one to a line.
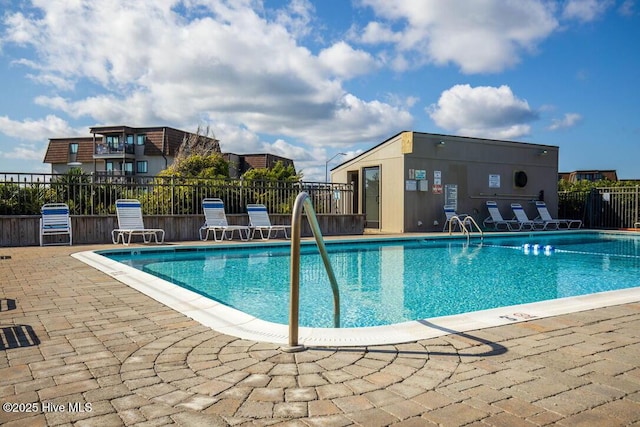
80,348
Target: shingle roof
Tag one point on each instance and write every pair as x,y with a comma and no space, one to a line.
58,150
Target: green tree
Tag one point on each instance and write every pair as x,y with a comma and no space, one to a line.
180,188
275,187
279,172
72,188
585,185
198,166
21,200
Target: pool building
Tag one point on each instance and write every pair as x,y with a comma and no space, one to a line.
402,184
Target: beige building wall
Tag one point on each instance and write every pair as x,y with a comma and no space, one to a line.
420,172
389,158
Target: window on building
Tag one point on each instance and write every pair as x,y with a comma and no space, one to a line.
140,139
108,166
128,168
142,166
113,141
128,148
73,148
589,176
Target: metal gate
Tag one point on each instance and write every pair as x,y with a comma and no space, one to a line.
604,207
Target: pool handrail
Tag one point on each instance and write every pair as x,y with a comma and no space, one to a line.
461,222
303,200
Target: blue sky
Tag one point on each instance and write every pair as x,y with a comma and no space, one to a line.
310,79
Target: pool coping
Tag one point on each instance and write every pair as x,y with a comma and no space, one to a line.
230,321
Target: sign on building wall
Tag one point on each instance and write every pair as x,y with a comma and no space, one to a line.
437,182
451,195
411,185
494,181
417,174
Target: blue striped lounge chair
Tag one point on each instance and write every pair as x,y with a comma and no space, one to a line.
545,216
525,223
495,220
450,213
55,220
130,223
259,221
215,220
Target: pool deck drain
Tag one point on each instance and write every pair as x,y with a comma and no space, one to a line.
88,350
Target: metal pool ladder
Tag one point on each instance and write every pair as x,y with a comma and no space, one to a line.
303,200
463,228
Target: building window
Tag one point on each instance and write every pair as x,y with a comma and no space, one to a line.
140,139
589,176
73,148
129,139
128,168
113,141
142,166
108,166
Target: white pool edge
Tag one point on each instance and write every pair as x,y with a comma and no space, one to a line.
236,323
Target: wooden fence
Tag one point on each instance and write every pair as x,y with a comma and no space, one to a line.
22,230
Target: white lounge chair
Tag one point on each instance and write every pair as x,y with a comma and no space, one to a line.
450,213
259,221
130,223
55,220
523,219
545,216
495,220
215,219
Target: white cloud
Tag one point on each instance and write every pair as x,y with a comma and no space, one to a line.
24,152
162,62
585,10
489,112
377,32
296,17
569,120
19,29
479,37
346,62
36,130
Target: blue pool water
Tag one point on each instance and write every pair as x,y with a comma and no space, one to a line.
386,282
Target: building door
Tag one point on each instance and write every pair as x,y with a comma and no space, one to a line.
354,180
372,196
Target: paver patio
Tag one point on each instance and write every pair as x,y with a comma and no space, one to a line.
80,348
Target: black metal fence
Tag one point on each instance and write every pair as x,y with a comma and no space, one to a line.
24,194
602,208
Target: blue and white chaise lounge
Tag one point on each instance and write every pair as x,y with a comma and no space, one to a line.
55,220
450,213
545,216
215,219
130,223
495,220
523,219
259,221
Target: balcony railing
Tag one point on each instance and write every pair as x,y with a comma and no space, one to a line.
105,149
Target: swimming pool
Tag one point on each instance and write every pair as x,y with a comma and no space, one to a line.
400,281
